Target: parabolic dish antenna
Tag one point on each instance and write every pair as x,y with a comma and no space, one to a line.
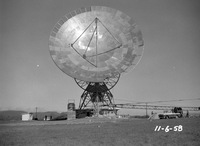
95,43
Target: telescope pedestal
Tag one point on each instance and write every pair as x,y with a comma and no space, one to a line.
97,94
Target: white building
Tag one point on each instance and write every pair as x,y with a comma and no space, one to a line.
27,117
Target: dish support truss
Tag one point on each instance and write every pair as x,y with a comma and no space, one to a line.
97,94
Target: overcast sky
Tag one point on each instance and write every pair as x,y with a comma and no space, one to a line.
168,70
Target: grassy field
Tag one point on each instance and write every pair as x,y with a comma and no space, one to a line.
108,132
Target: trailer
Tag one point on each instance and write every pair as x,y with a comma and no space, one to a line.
169,115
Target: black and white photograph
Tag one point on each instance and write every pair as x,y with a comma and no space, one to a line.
99,72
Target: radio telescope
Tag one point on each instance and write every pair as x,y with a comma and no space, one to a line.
95,45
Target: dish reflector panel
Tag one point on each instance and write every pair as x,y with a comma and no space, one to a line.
95,43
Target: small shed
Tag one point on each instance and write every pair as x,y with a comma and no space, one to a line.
108,112
27,117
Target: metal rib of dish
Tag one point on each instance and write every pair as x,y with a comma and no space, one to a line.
95,43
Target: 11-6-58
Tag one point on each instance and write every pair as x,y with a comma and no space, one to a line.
168,128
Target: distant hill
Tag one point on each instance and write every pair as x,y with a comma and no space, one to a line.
12,115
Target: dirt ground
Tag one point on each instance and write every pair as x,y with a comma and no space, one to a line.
105,132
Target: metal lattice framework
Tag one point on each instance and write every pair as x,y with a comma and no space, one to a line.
97,92
152,107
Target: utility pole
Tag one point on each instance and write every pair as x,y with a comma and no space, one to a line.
36,113
146,109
